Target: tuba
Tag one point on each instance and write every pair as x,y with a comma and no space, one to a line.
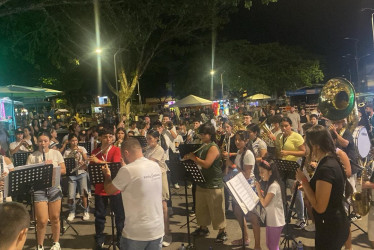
336,102
265,132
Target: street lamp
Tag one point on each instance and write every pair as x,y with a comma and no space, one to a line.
211,83
222,85
116,78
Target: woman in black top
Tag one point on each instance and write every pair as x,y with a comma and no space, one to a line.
326,190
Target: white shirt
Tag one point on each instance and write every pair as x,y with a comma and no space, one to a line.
15,144
249,159
158,154
79,157
6,166
140,184
57,159
274,210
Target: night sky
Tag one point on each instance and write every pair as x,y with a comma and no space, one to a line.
319,26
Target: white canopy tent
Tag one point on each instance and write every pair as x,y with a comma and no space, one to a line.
192,101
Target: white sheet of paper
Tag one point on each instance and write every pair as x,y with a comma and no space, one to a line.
243,193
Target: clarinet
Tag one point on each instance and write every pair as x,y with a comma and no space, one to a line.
43,154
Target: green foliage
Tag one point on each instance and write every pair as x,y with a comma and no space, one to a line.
263,68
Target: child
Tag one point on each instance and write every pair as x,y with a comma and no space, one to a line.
244,162
271,200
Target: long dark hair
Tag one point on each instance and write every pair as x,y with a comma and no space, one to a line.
319,135
270,166
244,136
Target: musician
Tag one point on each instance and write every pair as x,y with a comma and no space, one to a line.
258,145
209,195
326,191
370,112
156,153
290,146
275,130
141,186
344,141
227,142
369,184
6,166
193,134
247,119
120,137
27,135
14,224
106,153
79,179
244,162
55,144
47,201
20,145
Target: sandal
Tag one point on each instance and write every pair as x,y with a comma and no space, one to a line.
239,242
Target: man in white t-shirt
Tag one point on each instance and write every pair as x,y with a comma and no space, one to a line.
295,118
140,184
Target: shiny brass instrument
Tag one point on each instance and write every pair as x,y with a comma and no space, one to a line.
361,200
337,102
265,131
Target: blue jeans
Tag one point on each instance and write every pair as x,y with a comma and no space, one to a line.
79,181
127,244
101,203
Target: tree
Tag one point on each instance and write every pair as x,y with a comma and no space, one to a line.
142,27
263,68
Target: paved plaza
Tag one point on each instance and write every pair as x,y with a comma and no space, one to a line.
86,230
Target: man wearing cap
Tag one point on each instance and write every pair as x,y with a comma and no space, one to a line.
20,145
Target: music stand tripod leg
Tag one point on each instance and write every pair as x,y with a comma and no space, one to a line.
111,213
62,220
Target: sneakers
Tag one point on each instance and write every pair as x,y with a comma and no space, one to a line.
201,232
56,246
354,217
39,247
176,186
310,228
71,217
99,246
86,216
221,237
167,240
189,186
300,224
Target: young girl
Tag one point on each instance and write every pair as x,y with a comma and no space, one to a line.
48,201
80,177
271,200
244,162
156,153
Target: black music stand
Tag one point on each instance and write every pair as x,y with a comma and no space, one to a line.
69,164
287,170
97,177
20,159
87,146
142,140
187,148
28,179
198,177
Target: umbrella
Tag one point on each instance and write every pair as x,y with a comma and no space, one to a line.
259,97
191,101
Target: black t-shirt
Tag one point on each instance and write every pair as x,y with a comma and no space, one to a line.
303,119
350,149
330,170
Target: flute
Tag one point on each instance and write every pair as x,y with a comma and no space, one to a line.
43,154
87,161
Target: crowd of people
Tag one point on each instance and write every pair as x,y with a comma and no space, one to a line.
234,144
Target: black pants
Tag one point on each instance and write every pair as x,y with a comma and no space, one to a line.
101,203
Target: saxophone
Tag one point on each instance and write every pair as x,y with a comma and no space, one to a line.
361,200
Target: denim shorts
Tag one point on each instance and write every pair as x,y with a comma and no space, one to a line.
48,195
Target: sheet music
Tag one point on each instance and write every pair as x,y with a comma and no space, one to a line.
243,193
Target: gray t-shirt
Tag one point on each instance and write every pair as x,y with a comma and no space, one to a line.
158,154
295,118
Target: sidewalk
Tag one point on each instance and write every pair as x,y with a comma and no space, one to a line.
85,239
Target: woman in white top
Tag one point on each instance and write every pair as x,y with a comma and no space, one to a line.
271,200
47,201
20,145
156,153
78,178
244,162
